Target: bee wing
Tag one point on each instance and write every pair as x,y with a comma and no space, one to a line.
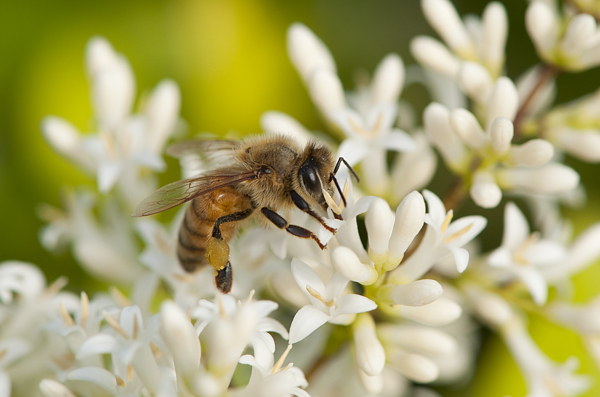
200,146
179,192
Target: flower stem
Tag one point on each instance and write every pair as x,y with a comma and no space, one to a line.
547,73
456,193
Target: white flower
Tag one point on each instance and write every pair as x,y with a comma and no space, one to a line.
365,118
522,254
328,302
273,381
573,48
124,143
443,237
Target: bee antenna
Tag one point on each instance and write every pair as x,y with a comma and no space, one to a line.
337,185
337,167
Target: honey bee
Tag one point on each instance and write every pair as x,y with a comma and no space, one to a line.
263,175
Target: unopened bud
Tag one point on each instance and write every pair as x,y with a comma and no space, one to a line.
326,91
484,190
379,222
370,355
410,216
552,178
467,127
475,81
542,25
503,102
307,52
348,265
532,153
388,80
442,16
52,388
583,144
434,56
501,134
437,124
418,293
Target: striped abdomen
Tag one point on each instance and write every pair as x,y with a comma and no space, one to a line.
197,225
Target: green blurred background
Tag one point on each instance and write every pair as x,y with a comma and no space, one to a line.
230,60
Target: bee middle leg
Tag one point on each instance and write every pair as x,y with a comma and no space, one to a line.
217,251
294,230
303,205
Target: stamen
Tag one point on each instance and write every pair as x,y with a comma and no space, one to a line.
317,295
184,278
279,363
162,244
85,304
337,209
56,286
459,233
250,296
119,297
447,221
135,327
377,124
520,252
129,373
66,316
3,353
358,128
222,312
346,188
116,326
120,382
155,351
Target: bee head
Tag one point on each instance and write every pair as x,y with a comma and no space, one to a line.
314,171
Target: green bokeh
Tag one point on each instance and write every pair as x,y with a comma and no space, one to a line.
230,61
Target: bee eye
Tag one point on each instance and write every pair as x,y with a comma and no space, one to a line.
266,170
310,179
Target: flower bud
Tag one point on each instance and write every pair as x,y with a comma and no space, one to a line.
379,222
307,52
552,178
326,91
52,388
434,55
423,339
370,355
579,33
484,190
373,385
490,307
440,312
437,124
418,293
583,144
348,265
475,81
466,126
501,135
533,153
410,216
442,16
495,29
503,102
388,80
415,367
542,25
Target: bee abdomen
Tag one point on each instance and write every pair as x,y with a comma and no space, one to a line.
192,239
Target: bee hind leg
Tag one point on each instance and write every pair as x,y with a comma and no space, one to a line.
294,230
217,251
224,278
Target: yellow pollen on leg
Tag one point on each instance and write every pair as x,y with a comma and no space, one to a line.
317,295
459,233
217,253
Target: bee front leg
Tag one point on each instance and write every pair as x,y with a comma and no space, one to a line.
303,205
294,230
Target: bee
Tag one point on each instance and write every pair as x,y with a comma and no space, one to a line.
263,174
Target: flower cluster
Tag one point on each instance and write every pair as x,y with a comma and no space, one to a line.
394,302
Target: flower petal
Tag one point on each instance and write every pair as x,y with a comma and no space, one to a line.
97,375
399,141
516,228
435,207
305,322
304,276
534,282
464,230
353,303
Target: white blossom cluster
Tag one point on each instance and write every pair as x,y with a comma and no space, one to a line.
383,313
